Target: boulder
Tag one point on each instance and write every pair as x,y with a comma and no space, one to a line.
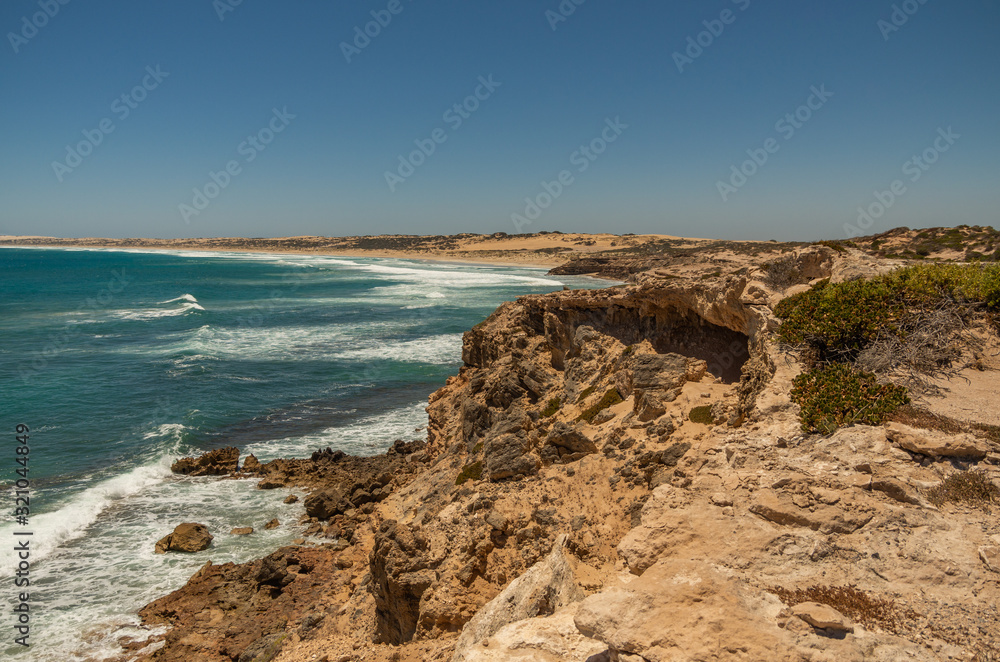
822,616
507,456
326,504
935,443
647,406
547,586
220,462
188,537
273,524
242,531
659,371
565,443
541,639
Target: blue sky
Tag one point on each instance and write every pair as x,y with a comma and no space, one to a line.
226,73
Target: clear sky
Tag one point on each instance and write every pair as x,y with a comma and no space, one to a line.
117,113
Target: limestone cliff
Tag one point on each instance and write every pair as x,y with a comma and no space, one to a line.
621,474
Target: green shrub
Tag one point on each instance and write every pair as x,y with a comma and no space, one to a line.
610,399
702,415
838,395
839,320
472,471
552,407
586,393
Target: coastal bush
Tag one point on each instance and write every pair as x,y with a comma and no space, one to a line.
551,407
472,471
837,395
610,399
701,415
972,488
837,321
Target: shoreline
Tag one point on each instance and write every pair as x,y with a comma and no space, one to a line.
546,265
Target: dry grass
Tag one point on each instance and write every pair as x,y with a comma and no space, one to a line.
972,488
857,605
921,418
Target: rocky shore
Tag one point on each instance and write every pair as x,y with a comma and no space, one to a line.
624,474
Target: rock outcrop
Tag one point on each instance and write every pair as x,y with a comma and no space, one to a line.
219,462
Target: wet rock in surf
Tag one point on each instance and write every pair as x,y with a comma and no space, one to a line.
188,537
220,462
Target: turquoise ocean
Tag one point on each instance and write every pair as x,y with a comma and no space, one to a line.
122,361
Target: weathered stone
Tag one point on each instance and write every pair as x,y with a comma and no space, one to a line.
565,443
251,464
990,556
324,505
647,407
659,371
895,489
825,520
219,462
188,537
936,443
506,457
242,531
546,586
541,639
822,616
676,611
291,498
273,524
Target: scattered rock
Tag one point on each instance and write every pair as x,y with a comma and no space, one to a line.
990,556
273,524
241,531
822,616
188,537
291,498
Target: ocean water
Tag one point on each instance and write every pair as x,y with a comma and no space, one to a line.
120,362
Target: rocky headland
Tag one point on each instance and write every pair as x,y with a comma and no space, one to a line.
748,452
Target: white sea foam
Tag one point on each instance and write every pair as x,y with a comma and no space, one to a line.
184,297
366,436
441,350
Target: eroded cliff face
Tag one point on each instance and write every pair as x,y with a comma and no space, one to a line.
620,475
